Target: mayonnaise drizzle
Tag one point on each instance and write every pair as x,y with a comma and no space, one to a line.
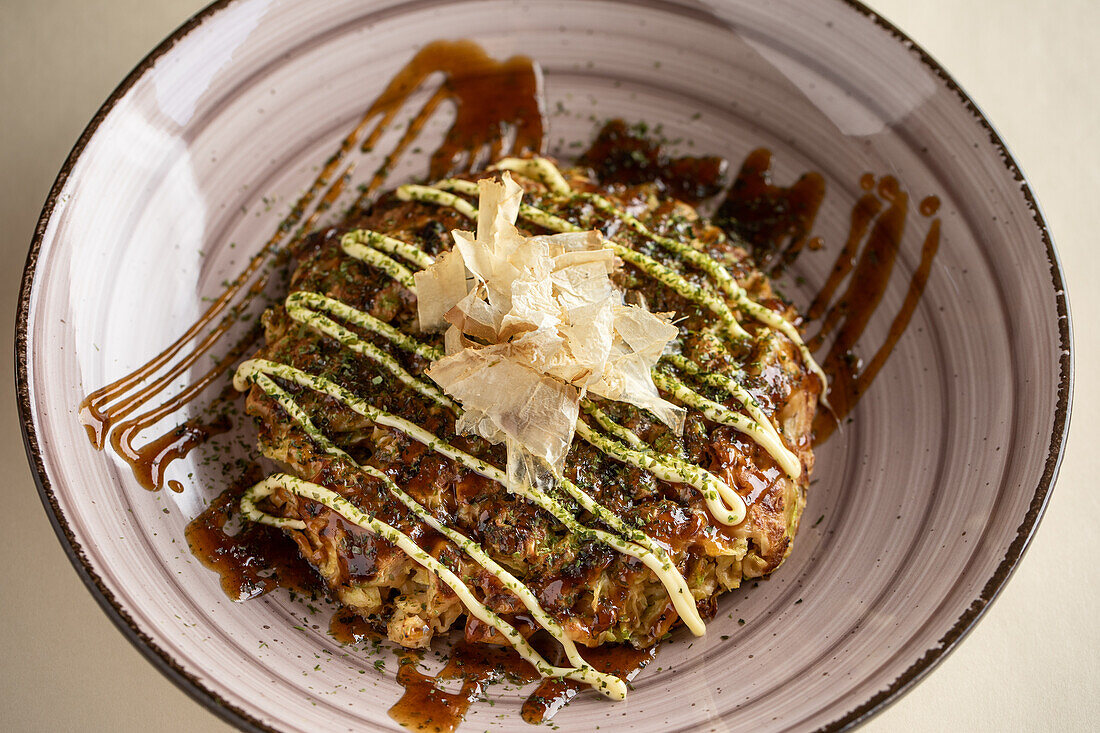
548,174
604,420
724,503
365,321
354,241
301,307
658,562
608,684
719,413
427,194
672,579
540,169
353,246
739,393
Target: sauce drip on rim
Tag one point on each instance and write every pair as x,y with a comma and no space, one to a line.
776,222
425,705
491,99
552,695
348,627
869,272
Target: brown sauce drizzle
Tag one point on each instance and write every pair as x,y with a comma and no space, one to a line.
424,706
929,205
849,376
775,221
150,461
254,560
348,627
863,213
623,154
490,98
100,410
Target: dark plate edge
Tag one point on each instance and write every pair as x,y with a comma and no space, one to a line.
148,648
1030,523
194,688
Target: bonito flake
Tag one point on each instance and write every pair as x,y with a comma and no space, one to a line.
532,325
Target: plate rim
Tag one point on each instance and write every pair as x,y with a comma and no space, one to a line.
230,713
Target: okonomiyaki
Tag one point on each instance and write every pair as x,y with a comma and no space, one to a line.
528,401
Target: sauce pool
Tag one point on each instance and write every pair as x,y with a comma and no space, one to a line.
424,706
251,559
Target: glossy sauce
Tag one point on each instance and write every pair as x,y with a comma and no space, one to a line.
775,221
348,627
929,205
553,694
426,707
870,276
622,154
150,461
490,99
254,559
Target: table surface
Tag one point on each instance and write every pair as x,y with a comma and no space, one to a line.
1033,663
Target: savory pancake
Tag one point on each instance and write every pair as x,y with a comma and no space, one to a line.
375,457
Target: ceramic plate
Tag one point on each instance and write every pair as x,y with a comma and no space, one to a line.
921,505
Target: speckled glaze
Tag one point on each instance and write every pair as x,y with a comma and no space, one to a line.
921,505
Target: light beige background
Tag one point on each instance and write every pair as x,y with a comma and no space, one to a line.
1032,664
